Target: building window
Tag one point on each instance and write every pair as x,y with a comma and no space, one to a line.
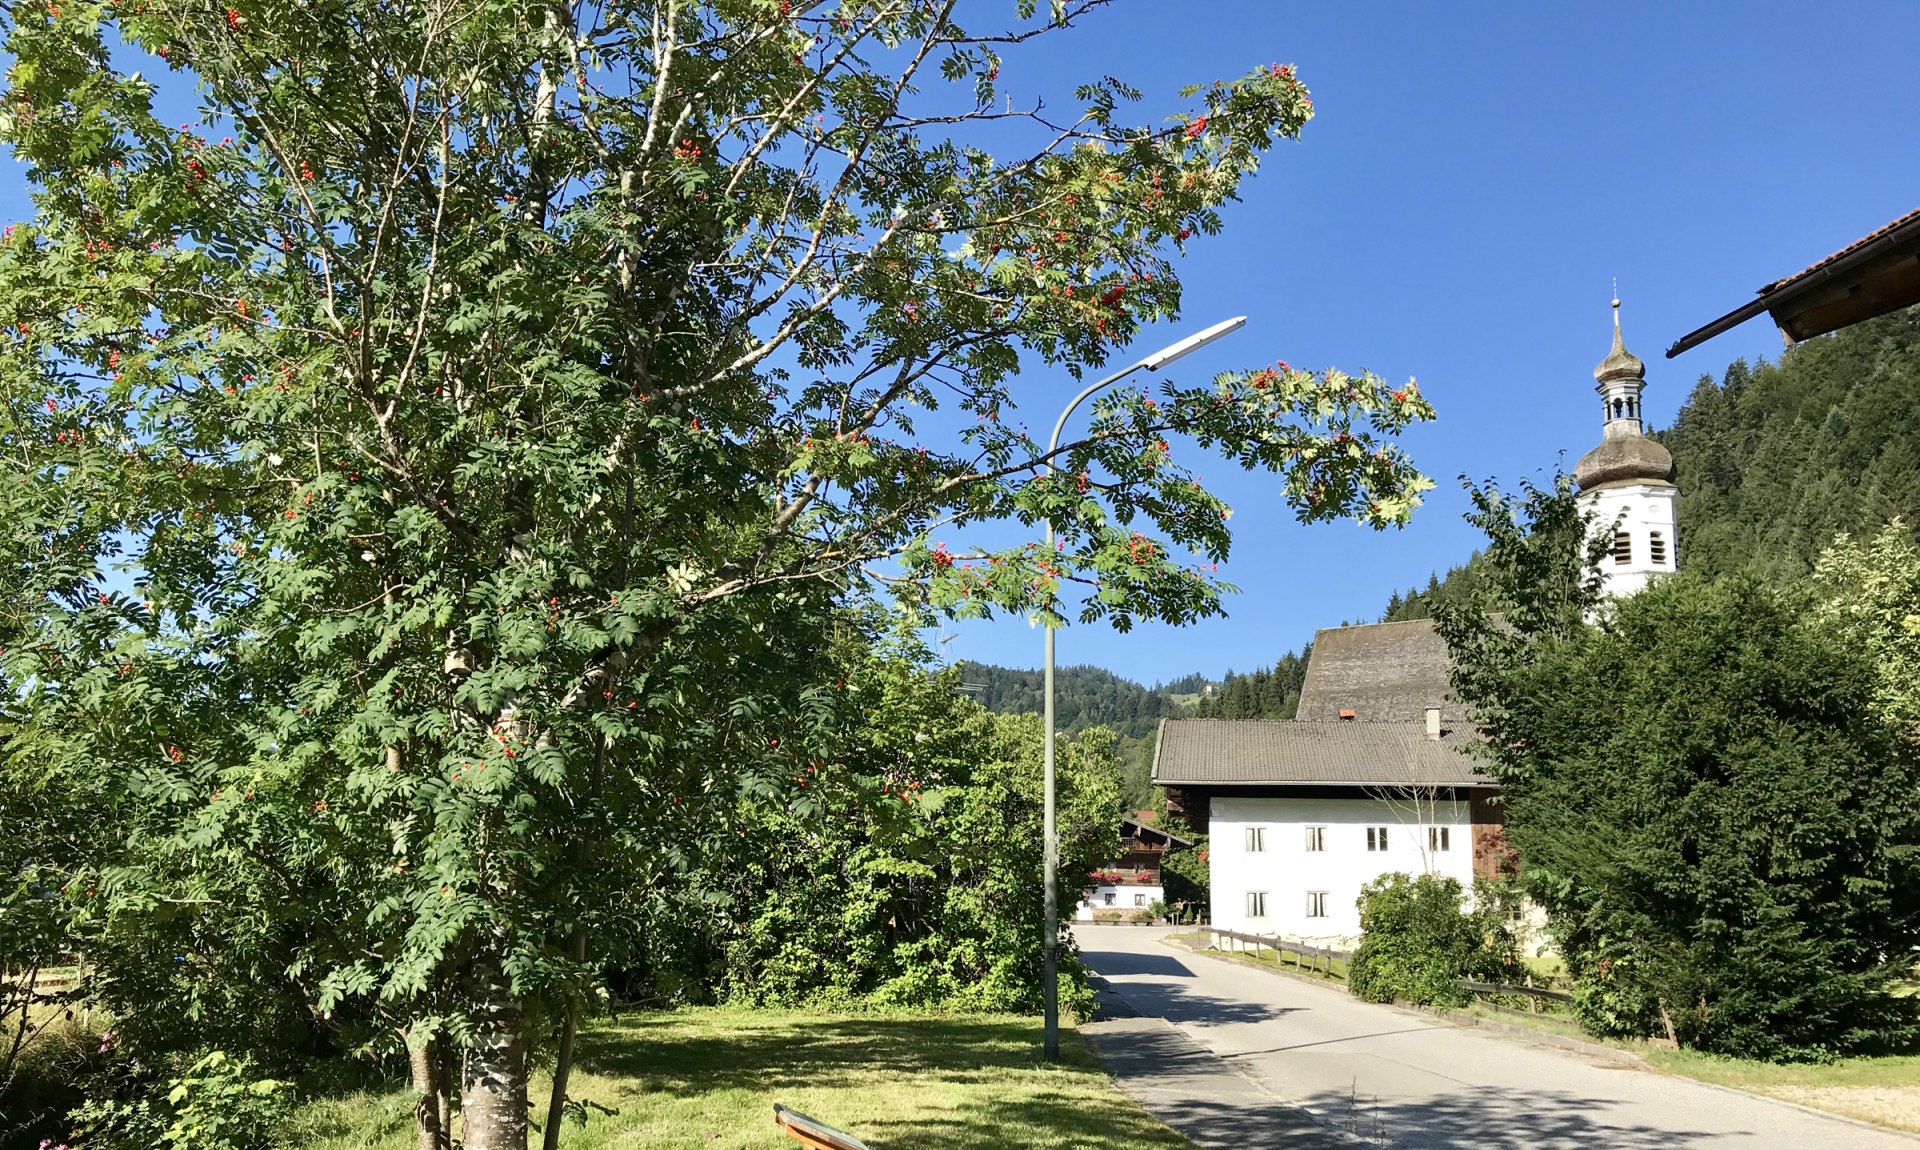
1622,548
1109,898
1376,838
1439,839
1256,904
1316,838
1139,900
1656,549
1256,839
1316,904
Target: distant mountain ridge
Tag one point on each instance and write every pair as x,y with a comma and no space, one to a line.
1084,696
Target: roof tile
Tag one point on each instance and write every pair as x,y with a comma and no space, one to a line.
1381,671
1250,752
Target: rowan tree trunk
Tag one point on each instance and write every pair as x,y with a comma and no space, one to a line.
430,1111
493,1079
563,1060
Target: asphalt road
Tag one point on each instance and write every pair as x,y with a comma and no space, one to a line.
1398,1078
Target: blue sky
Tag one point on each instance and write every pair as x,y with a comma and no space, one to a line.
1475,177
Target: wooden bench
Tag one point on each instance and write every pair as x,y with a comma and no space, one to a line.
812,1133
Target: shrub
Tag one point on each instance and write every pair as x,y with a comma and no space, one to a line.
1718,819
1418,941
45,1082
216,1104
1186,875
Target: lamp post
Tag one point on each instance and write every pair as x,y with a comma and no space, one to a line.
1050,987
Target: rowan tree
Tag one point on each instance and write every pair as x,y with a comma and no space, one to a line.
430,469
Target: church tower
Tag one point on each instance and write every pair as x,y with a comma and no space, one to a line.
1627,481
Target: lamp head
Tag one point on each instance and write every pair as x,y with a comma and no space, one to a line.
1192,343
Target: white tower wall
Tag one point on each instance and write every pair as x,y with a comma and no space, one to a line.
1645,514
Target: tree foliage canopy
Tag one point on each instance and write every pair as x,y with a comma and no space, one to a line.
1720,829
431,473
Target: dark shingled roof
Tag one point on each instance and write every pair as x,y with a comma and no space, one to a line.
1383,672
1252,752
1131,827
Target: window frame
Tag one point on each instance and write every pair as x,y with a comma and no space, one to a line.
1256,904
1377,839
1316,904
1316,839
1256,840
1440,840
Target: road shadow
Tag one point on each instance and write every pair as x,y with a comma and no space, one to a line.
1503,1120
1119,963
1161,986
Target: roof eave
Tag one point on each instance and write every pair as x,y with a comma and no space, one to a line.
1882,256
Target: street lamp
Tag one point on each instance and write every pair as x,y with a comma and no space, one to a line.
1050,987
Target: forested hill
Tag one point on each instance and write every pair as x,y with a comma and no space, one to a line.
1268,693
1084,696
1772,460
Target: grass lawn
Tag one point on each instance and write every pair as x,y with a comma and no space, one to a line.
1271,958
709,1078
1882,1090
1197,941
1545,965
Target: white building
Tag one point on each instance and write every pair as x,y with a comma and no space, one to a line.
1300,815
1626,483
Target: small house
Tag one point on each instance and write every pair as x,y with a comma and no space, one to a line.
1125,888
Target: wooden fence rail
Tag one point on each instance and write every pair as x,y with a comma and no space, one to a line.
1305,957
1535,995
1539,992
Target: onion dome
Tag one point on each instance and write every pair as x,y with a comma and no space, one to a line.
1625,454
1620,363
1625,459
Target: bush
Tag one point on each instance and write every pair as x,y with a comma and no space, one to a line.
1185,874
1418,942
216,1104
1721,826
45,1083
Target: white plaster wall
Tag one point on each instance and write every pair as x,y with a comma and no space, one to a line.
1640,509
1286,870
1122,899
